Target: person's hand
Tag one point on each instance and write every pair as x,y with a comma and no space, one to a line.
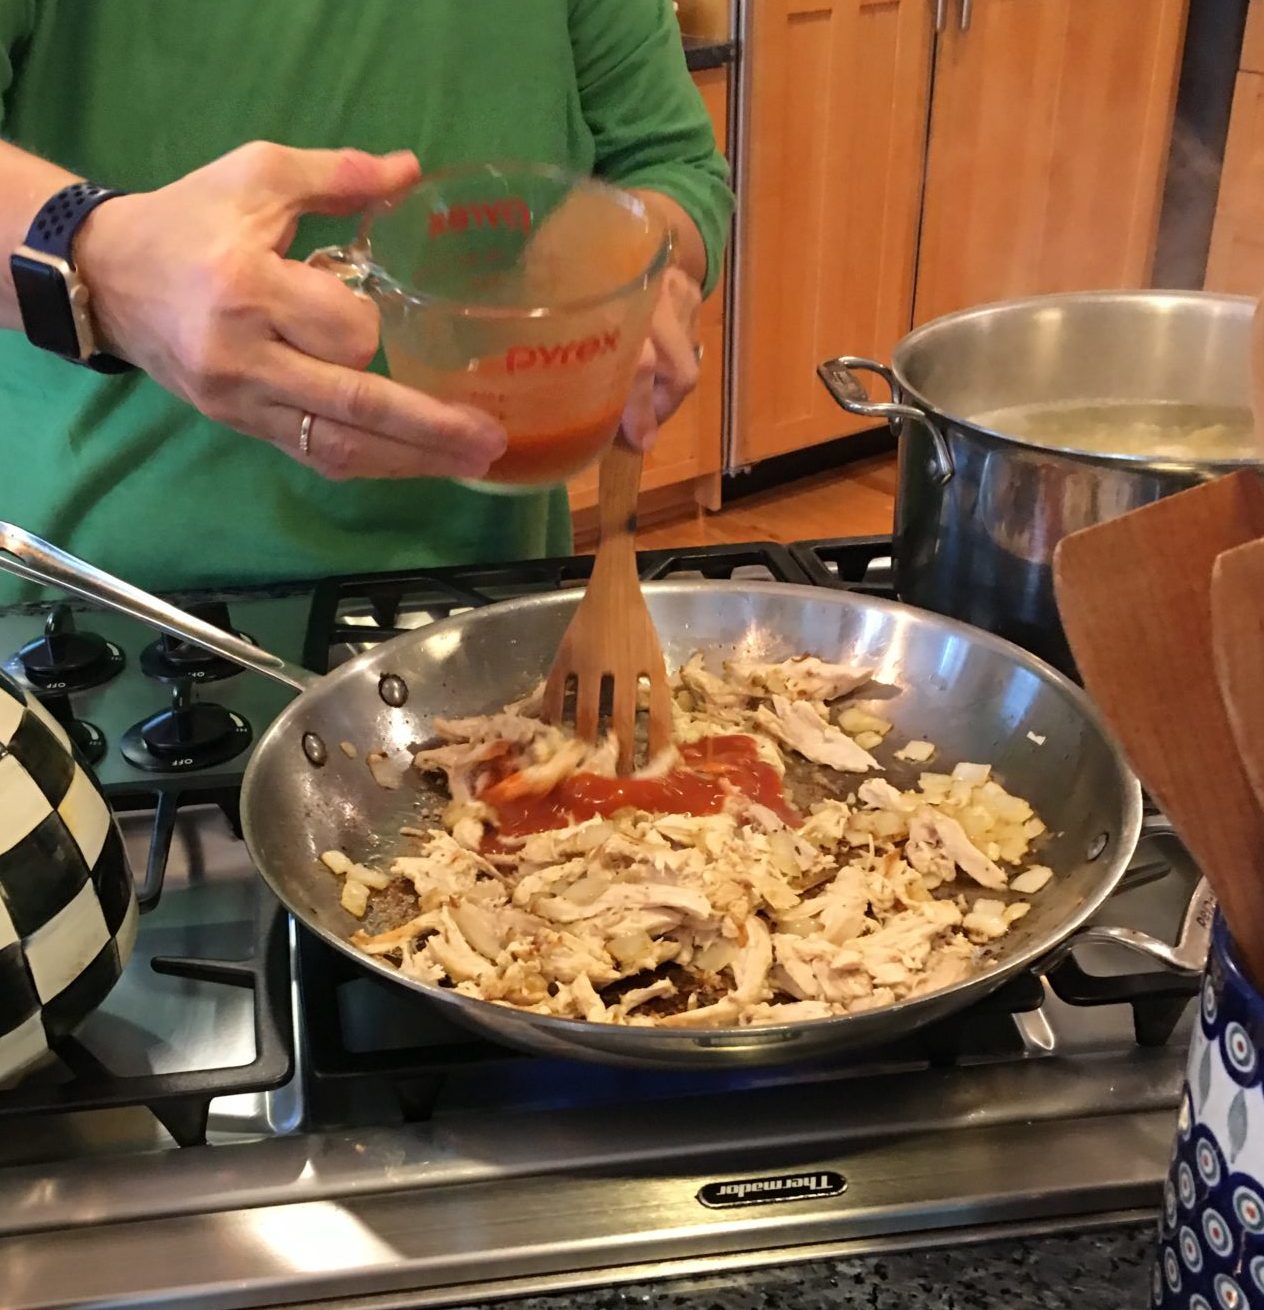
668,368
191,284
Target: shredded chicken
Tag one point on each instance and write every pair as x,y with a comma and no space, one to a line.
742,917
802,727
802,678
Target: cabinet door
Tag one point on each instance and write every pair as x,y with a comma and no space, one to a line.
1253,40
836,130
688,445
1236,260
1050,127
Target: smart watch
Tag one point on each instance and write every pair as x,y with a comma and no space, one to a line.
52,297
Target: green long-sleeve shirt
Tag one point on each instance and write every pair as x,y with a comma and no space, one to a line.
134,93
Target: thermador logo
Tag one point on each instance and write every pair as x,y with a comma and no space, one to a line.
763,1191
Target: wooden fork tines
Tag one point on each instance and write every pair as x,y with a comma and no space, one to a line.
611,645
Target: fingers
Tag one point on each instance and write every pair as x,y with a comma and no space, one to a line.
320,316
367,402
377,404
640,418
674,332
340,451
685,297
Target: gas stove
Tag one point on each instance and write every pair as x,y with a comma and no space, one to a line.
251,1121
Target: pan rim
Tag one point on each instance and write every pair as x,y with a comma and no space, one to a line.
580,1033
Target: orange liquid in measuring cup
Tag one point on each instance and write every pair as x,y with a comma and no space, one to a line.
552,429
553,455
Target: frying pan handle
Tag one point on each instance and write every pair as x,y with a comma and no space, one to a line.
1188,955
29,557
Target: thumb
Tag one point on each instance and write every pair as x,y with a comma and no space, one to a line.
344,181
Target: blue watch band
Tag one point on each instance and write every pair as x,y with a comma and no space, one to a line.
52,232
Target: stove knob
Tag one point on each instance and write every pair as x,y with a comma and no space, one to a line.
89,739
189,731
182,654
66,659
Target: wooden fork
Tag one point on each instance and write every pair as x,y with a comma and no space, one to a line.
612,635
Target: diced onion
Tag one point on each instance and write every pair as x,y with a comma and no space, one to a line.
1007,808
355,898
385,774
781,847
889,824
1013,845
631,947
978,823
854,720
1031,881
588,889
373,878
916,752
591,838
935,786
718,955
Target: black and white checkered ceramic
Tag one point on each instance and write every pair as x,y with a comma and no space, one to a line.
67,905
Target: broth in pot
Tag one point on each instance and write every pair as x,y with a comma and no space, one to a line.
1132,429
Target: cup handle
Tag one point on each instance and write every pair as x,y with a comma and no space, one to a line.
347,263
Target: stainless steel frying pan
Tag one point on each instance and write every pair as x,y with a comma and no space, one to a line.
977,697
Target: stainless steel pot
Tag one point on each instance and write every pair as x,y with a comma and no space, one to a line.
977,697
979,512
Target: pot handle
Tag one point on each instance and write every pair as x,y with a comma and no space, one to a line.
29,557
841,382
1187,955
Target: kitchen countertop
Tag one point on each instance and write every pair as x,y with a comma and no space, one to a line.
1090,1271
703,52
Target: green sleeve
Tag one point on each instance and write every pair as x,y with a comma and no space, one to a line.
648,119
17,18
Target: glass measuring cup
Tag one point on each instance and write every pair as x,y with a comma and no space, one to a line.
522,290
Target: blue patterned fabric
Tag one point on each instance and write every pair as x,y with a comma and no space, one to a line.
1211,1232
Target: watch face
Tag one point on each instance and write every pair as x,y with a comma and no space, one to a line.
45,305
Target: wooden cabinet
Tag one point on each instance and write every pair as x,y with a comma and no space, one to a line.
1236,261
894,174
688,446
1049,134
836,127
1253,41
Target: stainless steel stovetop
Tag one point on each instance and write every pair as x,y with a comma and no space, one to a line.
349,1148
